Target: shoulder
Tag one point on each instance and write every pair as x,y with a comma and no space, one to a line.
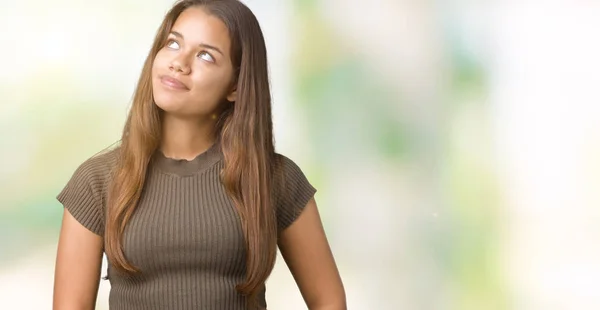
284,166
93,174
98,167
292,190
286,171
85,193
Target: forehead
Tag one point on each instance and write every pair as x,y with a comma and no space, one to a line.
199,27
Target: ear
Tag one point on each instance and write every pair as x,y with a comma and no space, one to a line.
232,96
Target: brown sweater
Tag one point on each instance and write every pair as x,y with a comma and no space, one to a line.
185,235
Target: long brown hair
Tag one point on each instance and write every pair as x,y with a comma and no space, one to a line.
244,131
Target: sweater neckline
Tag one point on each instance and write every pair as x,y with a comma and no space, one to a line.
184,167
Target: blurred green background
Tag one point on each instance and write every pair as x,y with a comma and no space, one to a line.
455,144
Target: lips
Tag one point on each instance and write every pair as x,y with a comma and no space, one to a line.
173,83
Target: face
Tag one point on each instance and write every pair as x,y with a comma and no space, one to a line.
192,73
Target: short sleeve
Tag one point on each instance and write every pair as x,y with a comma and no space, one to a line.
292,191
82,196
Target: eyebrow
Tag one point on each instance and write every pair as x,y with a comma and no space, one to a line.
203,45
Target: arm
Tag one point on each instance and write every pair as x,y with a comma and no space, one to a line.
78,264
306,251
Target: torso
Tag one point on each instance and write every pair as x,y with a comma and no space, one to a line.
186,238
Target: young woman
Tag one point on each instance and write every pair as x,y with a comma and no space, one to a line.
191,206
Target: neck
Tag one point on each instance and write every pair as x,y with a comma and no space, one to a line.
185,138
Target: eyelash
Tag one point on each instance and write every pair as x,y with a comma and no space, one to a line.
169,41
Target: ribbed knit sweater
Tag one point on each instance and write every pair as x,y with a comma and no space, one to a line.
185,235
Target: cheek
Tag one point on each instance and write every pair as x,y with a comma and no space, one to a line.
203,82
156,65
210,84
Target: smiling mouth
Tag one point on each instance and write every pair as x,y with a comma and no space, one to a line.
172,83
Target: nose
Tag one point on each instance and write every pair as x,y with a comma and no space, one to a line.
179,65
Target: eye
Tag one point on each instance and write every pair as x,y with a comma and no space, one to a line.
206,56
172,44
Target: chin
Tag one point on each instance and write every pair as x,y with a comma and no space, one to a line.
167,102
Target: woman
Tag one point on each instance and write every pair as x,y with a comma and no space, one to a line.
191,206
